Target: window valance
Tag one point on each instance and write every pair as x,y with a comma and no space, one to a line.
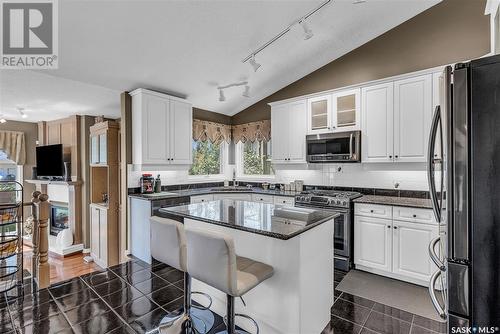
12,143
214,132
217,133
260,131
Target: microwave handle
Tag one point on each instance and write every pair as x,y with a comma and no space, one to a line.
350,147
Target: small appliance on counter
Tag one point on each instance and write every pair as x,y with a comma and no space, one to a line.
147,184
158,184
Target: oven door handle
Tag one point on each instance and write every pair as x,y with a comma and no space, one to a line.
350,146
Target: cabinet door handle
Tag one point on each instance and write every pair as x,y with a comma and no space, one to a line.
390,157
414,216
396,157
371,211
388,226
395,227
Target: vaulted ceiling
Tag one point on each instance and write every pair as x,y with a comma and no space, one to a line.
187,48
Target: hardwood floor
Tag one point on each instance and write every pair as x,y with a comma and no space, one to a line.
62,269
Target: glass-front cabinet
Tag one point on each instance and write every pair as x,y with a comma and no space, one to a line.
319,113
336,112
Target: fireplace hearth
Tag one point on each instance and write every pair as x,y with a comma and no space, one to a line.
59,218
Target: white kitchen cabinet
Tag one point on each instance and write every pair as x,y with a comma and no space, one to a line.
319,114
377,123
346,110
396,120
412,118
395,246
262,198
161,129
282,200
288,131
336,112
234,197
410,249
201,198
373,242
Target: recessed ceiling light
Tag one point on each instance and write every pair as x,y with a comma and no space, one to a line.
254,64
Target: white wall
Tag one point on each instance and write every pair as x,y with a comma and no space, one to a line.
410,176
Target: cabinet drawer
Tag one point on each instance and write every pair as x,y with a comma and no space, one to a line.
282,200
414,215
262,198
202,198
373,210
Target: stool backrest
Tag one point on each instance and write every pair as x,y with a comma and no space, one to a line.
212,259
168,242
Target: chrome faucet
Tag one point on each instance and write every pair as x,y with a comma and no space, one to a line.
235,183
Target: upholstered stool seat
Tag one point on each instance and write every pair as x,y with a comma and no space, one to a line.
169,246
213,260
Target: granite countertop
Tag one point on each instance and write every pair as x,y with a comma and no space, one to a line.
216,190
422,203
276,221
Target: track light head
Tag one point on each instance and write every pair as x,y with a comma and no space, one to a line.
222,98
308,33
21,112
254,64
246,92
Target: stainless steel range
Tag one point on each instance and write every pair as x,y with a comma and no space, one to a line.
338,201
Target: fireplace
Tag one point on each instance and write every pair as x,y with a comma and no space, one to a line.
59,219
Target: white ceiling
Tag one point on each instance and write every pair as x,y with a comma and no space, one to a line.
187,48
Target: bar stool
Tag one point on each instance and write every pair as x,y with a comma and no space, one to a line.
213,260
168,245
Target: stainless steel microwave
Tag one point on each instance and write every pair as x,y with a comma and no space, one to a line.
334,147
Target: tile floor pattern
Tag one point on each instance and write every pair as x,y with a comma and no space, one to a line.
356,315
133,298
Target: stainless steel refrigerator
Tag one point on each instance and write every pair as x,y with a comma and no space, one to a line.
464,182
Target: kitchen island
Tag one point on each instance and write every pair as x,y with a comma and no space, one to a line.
296,242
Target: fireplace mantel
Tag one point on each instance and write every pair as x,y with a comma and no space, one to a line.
74,201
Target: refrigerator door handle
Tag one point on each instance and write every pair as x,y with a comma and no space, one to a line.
433,255
430,164
440,309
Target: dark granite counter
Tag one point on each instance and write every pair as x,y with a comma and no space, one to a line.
421,203
207,191
276,221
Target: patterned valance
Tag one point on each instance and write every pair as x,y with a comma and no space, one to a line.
260,131
12,143
217,133
214,132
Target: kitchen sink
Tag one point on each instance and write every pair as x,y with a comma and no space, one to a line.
160,194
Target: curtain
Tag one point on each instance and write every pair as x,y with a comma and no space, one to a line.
260,131
214,132
12,143
217,133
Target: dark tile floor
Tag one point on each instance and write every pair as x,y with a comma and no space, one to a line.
356,315
134,297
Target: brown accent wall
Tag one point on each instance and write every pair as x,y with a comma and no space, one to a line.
451,31
30,137
211,116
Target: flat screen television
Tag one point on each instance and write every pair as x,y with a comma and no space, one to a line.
49,161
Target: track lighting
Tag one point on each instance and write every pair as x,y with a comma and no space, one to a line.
254,64
308,33
246,92
222,98
2,120
21,112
